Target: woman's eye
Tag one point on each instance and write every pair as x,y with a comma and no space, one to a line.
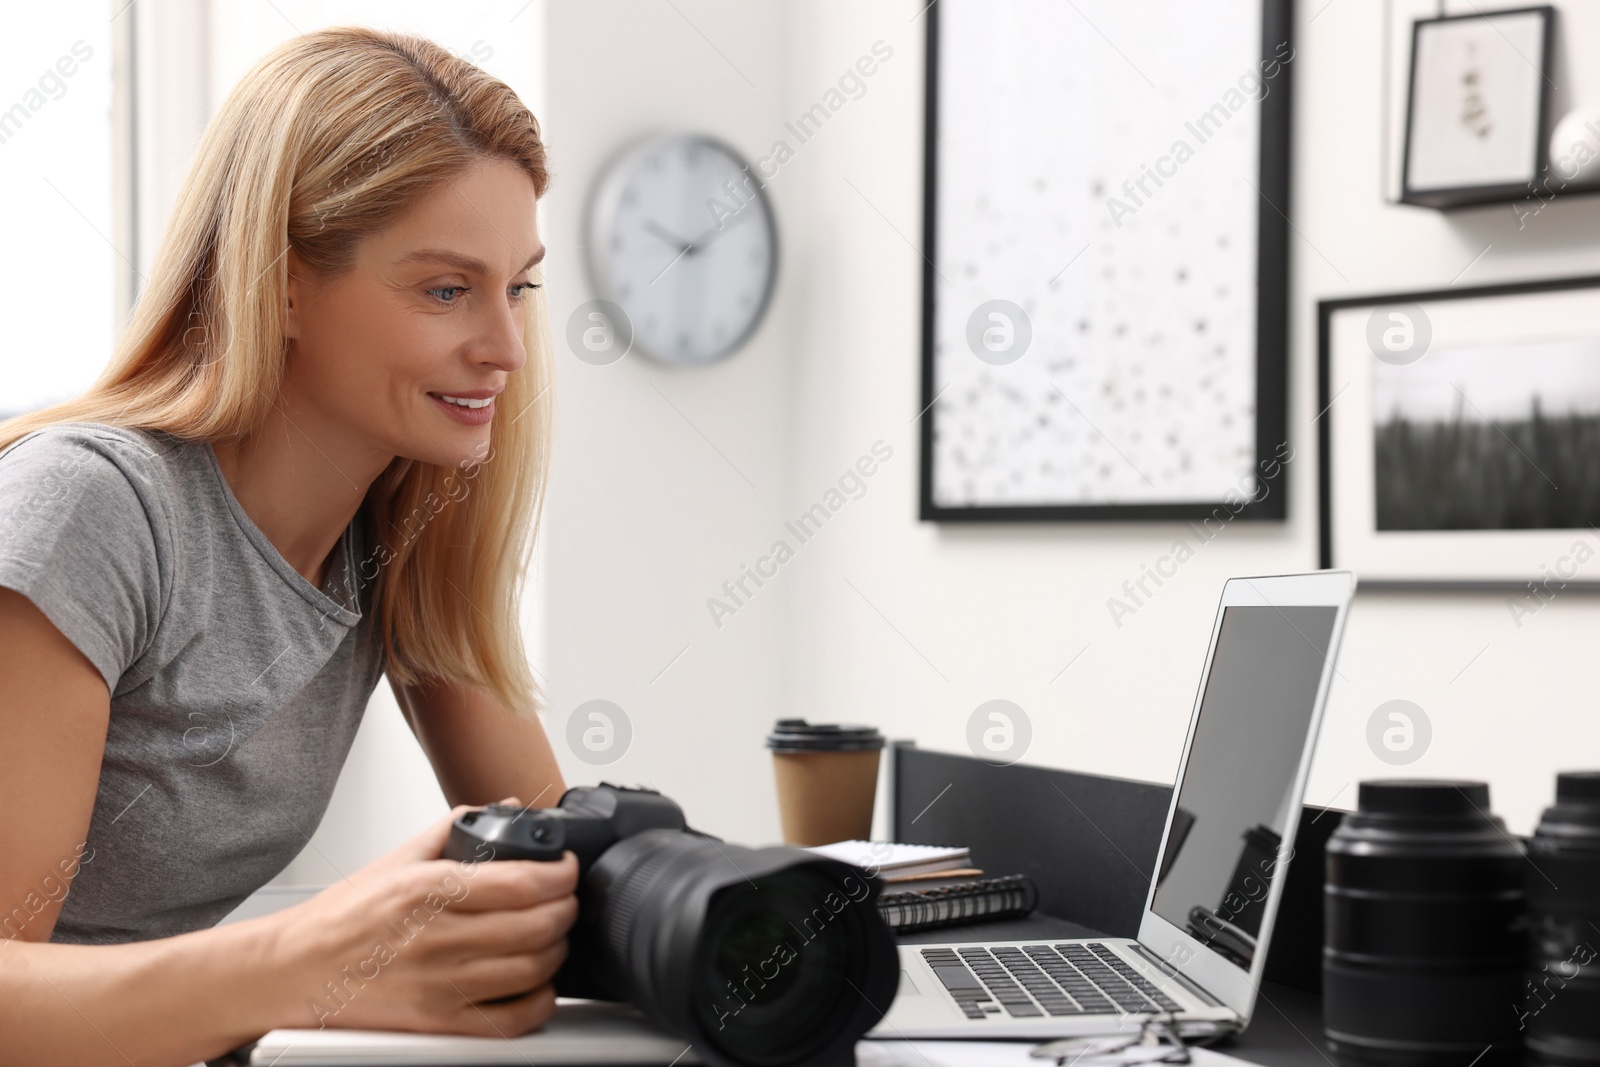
521,289
446,289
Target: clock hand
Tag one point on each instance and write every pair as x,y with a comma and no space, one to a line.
700,242
683,247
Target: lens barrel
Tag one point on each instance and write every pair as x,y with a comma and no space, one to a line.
1424,951
770,957
1560,1007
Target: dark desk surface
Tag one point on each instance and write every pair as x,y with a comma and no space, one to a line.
1284,1031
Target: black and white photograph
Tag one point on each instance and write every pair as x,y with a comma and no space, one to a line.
1461,430
1490,438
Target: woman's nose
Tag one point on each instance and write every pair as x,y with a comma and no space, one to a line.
502,344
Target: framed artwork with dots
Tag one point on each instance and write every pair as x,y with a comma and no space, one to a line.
1105,261
1458,433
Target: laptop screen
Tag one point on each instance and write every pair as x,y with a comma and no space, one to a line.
1233,803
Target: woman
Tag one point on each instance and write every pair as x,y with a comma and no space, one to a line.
317,456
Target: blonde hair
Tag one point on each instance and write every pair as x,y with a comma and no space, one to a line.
328,139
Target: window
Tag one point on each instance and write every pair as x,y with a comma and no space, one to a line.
60,270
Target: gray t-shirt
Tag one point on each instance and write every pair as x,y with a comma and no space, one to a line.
236,686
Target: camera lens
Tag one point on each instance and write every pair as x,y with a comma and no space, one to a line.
782,1016
1424,953
768,957
1560,1008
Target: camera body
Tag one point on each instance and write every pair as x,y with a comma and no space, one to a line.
774,957
587,820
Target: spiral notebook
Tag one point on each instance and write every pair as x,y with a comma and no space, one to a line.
978,900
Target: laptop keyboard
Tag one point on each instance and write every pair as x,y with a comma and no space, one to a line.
1083,978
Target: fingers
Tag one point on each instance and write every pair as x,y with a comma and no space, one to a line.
496,885
509,1018
429,844
508,932
503,977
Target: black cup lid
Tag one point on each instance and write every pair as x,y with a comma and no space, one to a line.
1425,797
1578,787
797,735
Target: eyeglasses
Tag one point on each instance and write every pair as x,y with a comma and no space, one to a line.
1156,1041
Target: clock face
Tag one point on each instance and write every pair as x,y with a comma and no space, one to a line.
681,237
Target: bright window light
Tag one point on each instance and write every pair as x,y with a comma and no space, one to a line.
56,180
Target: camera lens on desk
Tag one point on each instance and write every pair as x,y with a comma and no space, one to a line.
1561,998
760,956
757,957
1424,951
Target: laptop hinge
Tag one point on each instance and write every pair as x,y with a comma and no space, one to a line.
1176,975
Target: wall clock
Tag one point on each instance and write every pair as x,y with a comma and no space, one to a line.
681,237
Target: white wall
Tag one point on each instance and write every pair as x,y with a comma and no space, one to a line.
908,625
665,480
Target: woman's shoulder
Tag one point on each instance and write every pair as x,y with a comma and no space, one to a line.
87,533
98,455
102,474
68,439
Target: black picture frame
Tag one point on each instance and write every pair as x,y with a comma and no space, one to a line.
1329,448
1272,315
1447,199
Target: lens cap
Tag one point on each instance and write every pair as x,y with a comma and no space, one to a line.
797,735
1425,797
1578,788
1574,821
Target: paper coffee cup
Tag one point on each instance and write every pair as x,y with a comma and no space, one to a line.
827,777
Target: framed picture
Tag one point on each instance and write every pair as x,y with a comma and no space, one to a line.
1105,278
1460,436
1477,118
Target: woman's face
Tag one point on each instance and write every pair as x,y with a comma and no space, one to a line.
431,308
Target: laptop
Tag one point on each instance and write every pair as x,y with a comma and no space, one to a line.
1224,854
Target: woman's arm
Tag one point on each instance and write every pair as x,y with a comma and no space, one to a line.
172,1001
480,749
54,709
81,1004
410,942
406,943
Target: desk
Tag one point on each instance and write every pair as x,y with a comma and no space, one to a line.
1090,842
1285,1031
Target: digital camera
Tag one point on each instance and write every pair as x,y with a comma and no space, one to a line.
757,957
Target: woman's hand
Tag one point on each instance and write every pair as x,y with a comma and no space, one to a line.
415,942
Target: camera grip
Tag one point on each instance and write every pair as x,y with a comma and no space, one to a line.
501,832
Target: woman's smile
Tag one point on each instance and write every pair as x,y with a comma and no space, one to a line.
474,408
